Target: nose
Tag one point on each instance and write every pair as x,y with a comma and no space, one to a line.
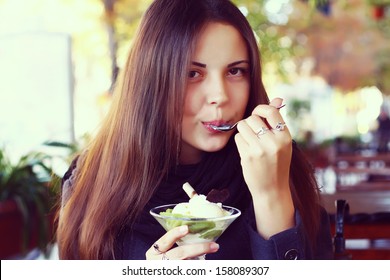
216,91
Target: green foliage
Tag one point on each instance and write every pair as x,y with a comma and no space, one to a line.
268,33
297,111
383,72
379,2
277,43
297,107
34,187
71,149
123,17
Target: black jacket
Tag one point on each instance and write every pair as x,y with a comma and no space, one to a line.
239,241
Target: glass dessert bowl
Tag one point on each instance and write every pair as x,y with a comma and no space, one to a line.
200,229
206,220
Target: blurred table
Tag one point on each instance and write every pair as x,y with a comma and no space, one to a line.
356,172
359,201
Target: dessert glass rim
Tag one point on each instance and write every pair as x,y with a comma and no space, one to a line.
236,212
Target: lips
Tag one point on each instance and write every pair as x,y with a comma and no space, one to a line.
214,123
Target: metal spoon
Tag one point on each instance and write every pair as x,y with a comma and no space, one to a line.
228,127
224,127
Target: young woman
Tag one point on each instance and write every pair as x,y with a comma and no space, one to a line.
193,64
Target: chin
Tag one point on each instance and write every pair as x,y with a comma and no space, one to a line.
214,147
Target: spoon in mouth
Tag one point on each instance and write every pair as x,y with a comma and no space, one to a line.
224,127
228,127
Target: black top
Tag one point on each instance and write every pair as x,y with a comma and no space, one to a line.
239,241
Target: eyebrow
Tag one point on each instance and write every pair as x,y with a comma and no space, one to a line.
199,64
237,62
228,66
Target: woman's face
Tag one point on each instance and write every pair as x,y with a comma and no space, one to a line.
217,90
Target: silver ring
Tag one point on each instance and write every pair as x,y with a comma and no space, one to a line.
164,256
280,126
157,248
262,130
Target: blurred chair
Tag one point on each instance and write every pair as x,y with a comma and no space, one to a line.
369,232
340,251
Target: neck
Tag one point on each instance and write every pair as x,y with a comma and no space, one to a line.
189,155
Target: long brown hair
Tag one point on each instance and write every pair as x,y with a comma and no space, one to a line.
139,141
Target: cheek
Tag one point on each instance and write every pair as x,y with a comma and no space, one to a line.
241,100
192,104
189,108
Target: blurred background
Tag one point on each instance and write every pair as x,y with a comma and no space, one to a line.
328,59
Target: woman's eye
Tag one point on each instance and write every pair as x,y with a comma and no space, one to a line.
193,74
236,71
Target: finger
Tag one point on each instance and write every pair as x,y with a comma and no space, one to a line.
171,237
278,130
166,242
247,152
276,102
270,114
242,145
190,251
246,130
259,128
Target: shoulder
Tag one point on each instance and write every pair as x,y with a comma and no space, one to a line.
70,177
72,167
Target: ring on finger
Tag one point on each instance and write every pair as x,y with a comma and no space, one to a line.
261,131
157,249
280,126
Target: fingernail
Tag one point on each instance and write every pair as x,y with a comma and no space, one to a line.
276,98
183,229
214,246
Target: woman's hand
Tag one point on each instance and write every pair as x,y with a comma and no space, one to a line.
265,158
162,249
265,146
